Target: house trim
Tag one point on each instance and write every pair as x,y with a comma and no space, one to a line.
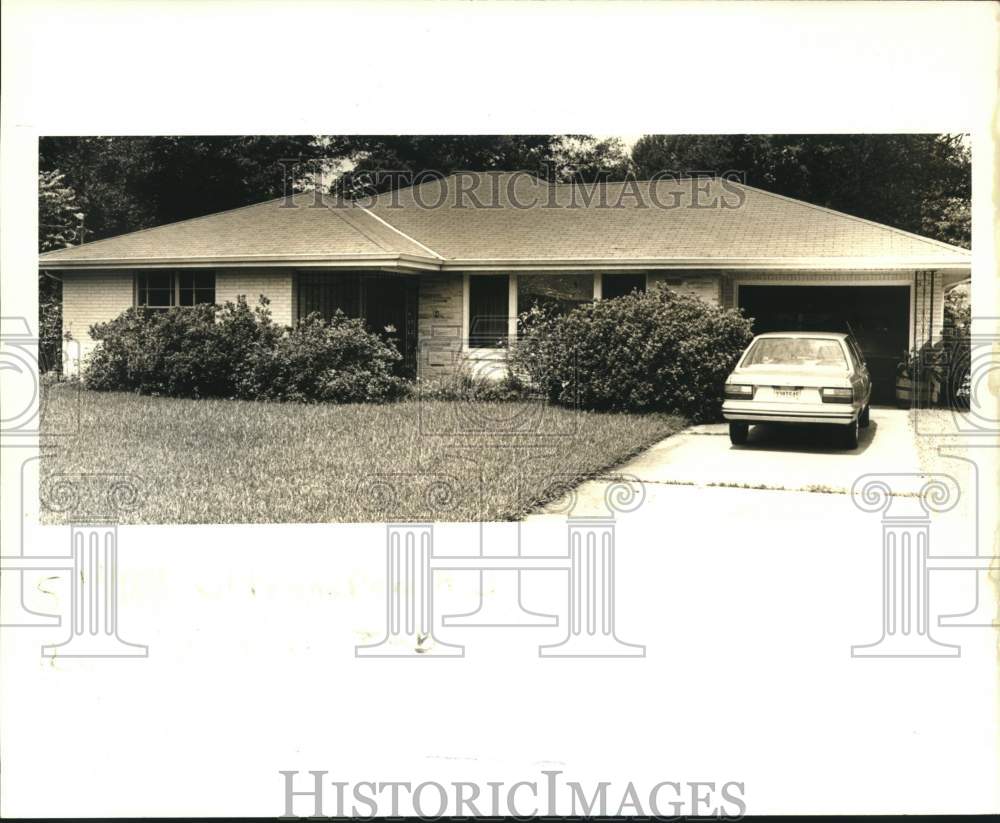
395,262
835,264
405,262
402,234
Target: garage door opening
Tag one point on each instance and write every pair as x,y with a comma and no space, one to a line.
878,316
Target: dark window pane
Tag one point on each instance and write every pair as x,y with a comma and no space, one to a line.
618,285
195,287
327,292
489,296
155,290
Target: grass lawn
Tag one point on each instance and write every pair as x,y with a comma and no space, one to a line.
229,461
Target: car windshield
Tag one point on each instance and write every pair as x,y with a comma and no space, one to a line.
796,351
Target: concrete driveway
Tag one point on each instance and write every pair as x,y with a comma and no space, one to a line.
806,458
801,458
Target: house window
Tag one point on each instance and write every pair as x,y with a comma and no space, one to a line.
618,285
328,292
162,290
489,310
555,293
195,287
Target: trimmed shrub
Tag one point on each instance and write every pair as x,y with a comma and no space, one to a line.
237,352
191,351
658,351
336,362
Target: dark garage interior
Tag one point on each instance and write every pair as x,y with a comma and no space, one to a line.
878,316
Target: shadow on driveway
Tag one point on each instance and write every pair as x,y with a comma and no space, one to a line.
805,437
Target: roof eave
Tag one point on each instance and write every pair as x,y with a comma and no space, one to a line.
407,262
703,263
402,262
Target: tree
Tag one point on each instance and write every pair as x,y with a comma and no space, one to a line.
60,224
556,157
129,183
916,182
60,219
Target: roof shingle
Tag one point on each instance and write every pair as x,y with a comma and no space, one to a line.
518,217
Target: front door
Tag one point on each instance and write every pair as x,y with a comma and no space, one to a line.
389,306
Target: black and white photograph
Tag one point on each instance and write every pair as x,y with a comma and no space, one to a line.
333,363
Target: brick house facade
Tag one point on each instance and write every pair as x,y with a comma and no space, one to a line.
443,261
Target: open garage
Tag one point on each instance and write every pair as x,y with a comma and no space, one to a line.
878,315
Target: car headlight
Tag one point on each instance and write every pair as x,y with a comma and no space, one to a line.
837,395
735,391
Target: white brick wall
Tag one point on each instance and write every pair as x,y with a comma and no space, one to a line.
88,298
96,297
277,286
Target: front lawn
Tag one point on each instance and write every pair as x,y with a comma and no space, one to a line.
228,461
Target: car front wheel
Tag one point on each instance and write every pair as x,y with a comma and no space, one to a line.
738,433
851,434
865,417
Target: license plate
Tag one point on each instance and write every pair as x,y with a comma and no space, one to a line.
786,394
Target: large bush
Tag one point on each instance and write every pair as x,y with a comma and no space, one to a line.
238,352
659,351
339,362
194,351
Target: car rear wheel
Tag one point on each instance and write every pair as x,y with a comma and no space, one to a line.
851,434
865,417
738,433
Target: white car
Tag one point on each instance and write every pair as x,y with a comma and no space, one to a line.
799,377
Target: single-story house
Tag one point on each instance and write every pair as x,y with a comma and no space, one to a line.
451,262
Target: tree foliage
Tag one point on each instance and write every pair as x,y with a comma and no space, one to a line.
916,182
553,156
60,224
129,183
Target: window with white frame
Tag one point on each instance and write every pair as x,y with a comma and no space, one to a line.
489,311
161,290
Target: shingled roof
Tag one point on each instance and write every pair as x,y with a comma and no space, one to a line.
517,220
